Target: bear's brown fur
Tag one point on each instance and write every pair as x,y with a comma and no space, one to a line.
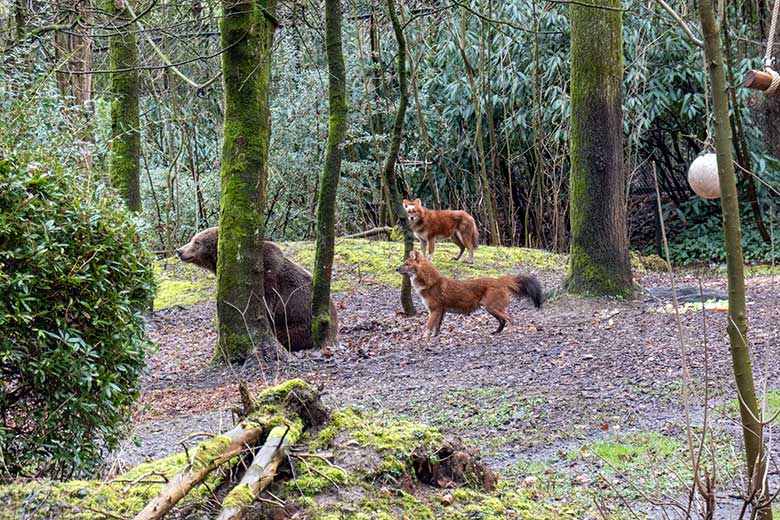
287,289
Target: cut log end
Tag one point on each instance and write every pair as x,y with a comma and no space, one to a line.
757,80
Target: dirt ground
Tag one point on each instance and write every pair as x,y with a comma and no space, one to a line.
577,370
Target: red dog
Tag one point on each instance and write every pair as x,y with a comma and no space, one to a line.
442,294
429,224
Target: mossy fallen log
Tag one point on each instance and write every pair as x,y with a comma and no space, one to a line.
261,472
287,403
208,456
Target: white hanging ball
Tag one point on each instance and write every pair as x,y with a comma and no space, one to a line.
703,176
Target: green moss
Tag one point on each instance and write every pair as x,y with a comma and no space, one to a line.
179,283
397,436
279,394
208,450
392,467
239,497
358,262
87,499
590,277
313,476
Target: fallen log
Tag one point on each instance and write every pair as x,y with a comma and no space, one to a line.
293,402
261,473
387,230
208,456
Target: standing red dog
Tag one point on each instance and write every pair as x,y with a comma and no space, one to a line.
429,224
442,294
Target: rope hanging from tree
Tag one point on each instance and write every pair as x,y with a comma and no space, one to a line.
767,80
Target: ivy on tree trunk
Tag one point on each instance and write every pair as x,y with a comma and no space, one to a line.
247,33
125,157
600,263
388,170
752,429
326,203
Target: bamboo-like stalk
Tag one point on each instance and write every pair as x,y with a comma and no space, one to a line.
752,428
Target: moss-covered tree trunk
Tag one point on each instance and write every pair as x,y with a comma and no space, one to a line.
247,32
752,429
125,157
599,238
388,170
326,203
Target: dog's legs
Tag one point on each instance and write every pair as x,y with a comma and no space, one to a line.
468,241
431,247
434,322
423,245
457,239
503,318
495,302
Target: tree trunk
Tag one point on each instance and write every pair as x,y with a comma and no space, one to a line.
388,170
125,158
752,429
73,52
247,33
599,238
326,203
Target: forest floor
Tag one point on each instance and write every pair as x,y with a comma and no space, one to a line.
582,398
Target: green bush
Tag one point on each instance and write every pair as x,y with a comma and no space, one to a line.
700,240
74,281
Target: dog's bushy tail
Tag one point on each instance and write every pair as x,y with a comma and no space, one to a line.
529,287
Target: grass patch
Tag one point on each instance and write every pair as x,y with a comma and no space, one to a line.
360,261
494,406
183,284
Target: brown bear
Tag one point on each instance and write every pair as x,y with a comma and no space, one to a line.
287,289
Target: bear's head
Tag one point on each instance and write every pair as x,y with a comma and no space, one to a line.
201,250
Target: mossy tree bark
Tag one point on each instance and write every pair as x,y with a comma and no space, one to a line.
326,203
752,429
125,157
388,170
247,32
600,262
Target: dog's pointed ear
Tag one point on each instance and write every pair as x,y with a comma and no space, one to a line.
405,202
417,202
413,254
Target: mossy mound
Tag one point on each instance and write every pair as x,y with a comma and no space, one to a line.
123,496
362,466
357,262
183,284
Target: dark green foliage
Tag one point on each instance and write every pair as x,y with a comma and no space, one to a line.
74,281
699,238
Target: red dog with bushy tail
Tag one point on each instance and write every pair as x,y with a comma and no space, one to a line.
442,294
430,224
